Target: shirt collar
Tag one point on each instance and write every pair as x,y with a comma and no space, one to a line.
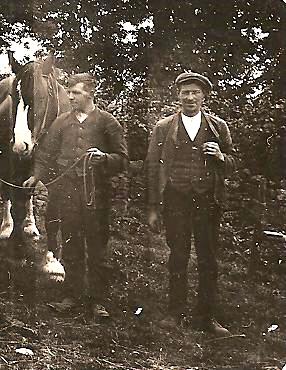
196,118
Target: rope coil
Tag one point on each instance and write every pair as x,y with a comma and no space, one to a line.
88,187
88,172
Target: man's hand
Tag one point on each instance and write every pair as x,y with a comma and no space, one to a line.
154,220
31,182
97,154
212,148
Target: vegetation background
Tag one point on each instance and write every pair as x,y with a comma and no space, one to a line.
136,48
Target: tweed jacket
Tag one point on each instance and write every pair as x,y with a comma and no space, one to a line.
161,153
67,140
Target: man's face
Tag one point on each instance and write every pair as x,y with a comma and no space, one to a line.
191,97
80,98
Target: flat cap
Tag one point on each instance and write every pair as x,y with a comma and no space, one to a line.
188,77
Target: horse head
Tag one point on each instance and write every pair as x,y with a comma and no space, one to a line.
35,97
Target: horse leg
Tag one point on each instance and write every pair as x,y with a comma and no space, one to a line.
18,199
23,253
30,228
7,224
52,222
7,220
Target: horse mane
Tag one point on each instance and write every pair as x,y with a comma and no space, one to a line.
6,87
27,85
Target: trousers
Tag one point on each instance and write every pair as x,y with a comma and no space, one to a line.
187,214
85,234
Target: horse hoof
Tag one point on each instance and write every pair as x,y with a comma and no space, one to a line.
32,231
53,268
6,231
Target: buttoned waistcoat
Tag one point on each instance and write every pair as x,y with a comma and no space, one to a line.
162,151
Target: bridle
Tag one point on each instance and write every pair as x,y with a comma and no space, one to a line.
52,86
43,125
89,173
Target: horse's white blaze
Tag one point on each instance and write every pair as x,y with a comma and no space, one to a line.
6,227
30,227
23,136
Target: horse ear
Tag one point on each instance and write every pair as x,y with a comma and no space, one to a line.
48,64
13,62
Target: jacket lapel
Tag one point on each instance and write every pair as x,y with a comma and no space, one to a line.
168,152
211,125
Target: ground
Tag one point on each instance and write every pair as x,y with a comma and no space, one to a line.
252,307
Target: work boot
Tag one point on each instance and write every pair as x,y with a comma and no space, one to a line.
171,321
214,327
100,312
168,322
66,305
210,325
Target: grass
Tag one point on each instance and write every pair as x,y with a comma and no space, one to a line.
132,339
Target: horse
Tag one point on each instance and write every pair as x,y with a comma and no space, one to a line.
5,138
29,102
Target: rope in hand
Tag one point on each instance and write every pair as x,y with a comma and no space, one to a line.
88,186
88,172
50,182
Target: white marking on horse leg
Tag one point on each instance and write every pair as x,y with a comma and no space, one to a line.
30,227
23,137
6,227
54,268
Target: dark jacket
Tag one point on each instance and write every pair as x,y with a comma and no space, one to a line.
161,153
67,141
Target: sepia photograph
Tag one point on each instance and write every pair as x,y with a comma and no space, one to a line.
143,185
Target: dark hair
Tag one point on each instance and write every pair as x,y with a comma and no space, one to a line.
87,79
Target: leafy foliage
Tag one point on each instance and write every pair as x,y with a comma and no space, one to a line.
136,48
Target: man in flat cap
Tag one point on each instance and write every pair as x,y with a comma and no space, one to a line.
79,143
190,154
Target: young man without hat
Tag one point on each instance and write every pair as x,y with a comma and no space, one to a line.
190,154
83,200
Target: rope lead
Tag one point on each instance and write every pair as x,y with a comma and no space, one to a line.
88,171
